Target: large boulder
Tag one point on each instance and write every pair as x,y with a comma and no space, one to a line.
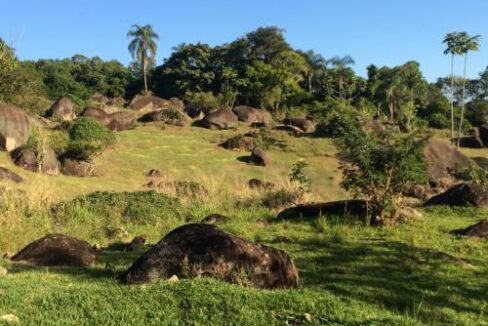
220,119
77,168
148,102
252,116
6,174
57,250
15,127
63,109
444,162
483,133
240,143
259,157
116,121
99,98
355,207
473,140
478,230
303,124
291,130
195,250
463,194
31,159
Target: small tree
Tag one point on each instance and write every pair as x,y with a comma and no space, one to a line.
380,167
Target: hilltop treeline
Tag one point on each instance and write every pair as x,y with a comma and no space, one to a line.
259,69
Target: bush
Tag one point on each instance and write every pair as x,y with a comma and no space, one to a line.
380,168
171,115
206,101
140,207
88,138
439,121
297,175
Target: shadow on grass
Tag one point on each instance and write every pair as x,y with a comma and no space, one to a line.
395,275
109,265
245,158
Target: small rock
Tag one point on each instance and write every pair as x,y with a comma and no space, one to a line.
173,279
97,247
9,318
3,271
308,317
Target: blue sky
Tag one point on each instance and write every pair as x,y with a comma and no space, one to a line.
382,32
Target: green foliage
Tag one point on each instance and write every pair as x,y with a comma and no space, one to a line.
281,198
88,138
297,175
477,113
205,101
380,168
140,207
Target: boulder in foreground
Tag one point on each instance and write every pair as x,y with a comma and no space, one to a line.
57,250
195,250
463,194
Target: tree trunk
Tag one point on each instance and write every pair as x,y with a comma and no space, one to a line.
462,100
144,73
310,90
452,98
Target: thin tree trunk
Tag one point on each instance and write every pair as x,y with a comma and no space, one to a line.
462,100
143,59
310,83
452,98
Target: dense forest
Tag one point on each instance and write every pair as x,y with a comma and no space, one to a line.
260,69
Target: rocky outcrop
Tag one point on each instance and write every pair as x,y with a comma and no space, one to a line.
252,116
15,127
63,109
220,119
463,194
443,162
31,159
196,250
57,250
303,124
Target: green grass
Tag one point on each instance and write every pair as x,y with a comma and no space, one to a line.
412,274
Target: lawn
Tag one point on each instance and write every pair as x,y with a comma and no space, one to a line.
412,274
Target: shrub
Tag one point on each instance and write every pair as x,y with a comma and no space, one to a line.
88,138
138,207
282,198
171,115
297,175
438,120
381,167
206,101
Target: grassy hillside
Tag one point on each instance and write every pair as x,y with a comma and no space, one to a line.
413,274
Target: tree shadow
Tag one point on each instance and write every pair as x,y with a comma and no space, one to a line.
395,275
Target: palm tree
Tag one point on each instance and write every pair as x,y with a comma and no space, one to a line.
143,46
453,42
468,43
316,62
340,64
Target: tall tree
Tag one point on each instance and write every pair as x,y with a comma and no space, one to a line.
143,46
468,43
453,43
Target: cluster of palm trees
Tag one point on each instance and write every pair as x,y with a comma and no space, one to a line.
459,43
